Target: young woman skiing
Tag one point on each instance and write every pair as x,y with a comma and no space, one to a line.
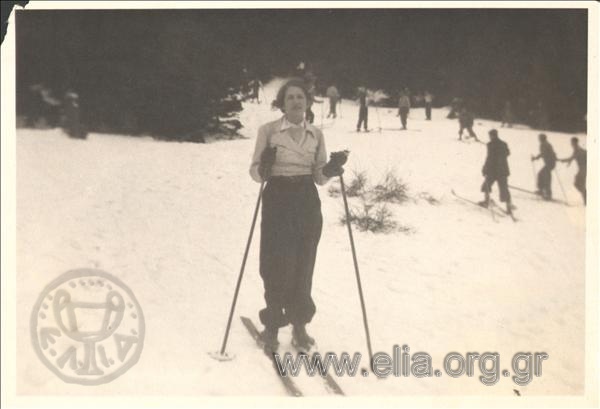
290,156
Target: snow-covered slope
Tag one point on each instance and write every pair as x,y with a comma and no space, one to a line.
171,220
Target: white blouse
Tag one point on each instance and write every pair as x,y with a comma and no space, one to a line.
307,156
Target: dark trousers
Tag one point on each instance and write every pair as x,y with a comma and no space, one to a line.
290,232
502,186
580,184
544,182
403,116
72,124
310,116
469,129
332,107
363,117
428,111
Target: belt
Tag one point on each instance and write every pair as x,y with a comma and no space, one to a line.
291,179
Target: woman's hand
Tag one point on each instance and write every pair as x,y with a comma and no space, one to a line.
267,159
334,166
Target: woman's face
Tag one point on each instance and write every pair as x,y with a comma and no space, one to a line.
294,103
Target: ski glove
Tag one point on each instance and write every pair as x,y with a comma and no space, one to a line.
267,159
334,166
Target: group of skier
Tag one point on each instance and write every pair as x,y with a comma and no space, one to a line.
404,106
496,169
548,156
47,109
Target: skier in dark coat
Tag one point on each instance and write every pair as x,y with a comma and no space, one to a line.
544,178
72,120
466,121
290,156
404,107
580,156
312,90
496,169
428,98
363,111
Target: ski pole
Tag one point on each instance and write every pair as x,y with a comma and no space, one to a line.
561,187
239,280
360,293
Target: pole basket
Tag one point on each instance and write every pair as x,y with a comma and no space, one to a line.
221,357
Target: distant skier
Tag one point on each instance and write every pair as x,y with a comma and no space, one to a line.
580,156
544,178
72,121
310,78
43,107
312,90
496,169
455,107
363,111
334,96
466,121
245,87
507,115
428,98
255,86
404,107
299,71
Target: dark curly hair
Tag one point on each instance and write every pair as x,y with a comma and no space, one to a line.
292,82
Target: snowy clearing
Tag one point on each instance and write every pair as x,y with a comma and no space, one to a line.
171,221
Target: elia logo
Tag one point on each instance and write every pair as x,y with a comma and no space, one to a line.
87,327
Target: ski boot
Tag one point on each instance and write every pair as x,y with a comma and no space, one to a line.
268,338
486,201
301,340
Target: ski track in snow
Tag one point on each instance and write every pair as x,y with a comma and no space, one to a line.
171,220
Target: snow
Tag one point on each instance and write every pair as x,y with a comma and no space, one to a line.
171,221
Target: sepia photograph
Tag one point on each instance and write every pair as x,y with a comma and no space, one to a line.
282,203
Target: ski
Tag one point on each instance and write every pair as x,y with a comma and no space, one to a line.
520,189
401,129
330,383
469,140
492,212
288,383
511,215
